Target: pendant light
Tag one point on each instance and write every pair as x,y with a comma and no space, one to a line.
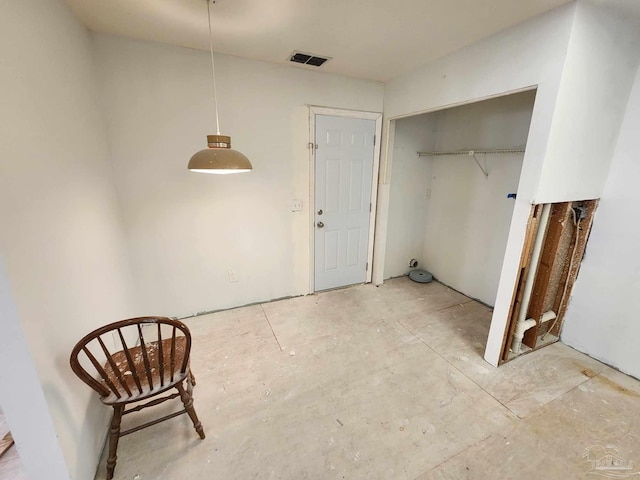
219,157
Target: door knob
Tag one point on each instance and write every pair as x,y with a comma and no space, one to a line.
320,212
320,224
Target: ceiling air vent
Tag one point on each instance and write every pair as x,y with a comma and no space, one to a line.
307,59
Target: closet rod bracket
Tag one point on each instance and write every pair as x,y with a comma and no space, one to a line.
484,169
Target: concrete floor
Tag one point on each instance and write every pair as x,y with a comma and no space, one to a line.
382,383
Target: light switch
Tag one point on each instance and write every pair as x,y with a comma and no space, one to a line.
233,276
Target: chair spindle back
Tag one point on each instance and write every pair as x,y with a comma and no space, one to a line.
139,364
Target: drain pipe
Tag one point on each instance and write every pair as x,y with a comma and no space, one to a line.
518,334
523,324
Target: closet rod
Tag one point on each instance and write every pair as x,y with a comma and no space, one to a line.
472,152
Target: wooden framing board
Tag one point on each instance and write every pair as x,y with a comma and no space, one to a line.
549,258
5,443
523,269
578,248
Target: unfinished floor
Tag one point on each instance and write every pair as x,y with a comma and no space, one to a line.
10,465
383,383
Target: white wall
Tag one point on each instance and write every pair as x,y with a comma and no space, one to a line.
601,63
602,319
408,205
501,122
186,230
23,400
514,59
468,222
61,238
469,214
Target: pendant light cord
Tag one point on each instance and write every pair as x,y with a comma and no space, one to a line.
213,67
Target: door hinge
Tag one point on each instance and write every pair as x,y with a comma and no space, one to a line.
366,268
312,146
374,140
370,207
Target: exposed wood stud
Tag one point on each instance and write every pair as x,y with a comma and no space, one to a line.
525,260
549,259
6,443
580,248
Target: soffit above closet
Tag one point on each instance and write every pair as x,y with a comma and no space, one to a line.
369,39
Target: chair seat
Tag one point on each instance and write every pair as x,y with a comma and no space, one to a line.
137,357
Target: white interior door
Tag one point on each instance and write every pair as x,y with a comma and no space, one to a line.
343,175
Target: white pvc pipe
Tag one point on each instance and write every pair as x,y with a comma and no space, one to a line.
533,265
522,327
518,334
523,324
547,316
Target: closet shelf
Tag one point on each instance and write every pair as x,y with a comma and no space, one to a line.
504,151
473,153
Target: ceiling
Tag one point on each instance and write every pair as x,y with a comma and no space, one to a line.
371,39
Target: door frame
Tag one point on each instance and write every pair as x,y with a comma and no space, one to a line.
362,115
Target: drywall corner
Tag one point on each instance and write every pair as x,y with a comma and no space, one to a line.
22,398
62,237
597,76
601,320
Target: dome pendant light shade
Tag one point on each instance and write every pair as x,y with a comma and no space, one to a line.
219,158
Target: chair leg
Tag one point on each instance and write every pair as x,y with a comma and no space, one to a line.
192,378
114,436
187,401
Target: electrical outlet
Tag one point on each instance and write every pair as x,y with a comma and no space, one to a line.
296,205
233,276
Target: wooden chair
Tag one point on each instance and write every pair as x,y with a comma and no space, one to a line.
156,361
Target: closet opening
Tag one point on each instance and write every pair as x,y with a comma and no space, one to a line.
454,175
453,180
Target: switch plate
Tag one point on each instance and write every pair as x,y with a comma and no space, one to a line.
233,276
296,205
